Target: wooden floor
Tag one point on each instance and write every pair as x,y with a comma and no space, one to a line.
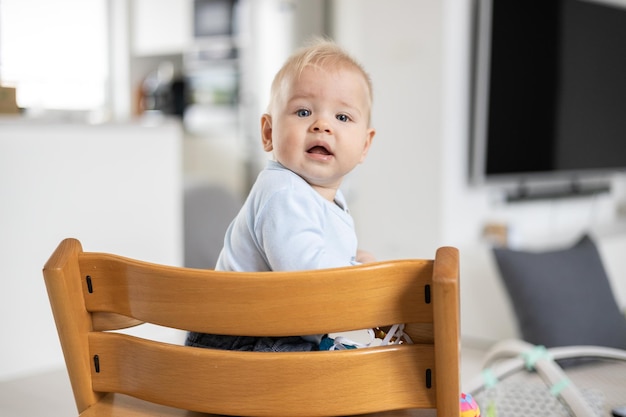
49,394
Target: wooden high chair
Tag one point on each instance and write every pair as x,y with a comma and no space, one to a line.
115,374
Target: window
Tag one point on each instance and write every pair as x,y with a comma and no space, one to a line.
55,53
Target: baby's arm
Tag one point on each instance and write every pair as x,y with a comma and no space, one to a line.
364,256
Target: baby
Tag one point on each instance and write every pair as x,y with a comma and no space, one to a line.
317,126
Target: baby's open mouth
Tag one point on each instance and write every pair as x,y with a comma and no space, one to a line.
319,150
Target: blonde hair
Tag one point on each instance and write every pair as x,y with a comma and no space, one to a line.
318,53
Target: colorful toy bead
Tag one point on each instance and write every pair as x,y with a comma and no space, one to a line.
469,407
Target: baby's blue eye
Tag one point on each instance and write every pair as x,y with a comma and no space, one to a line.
303,113
342,117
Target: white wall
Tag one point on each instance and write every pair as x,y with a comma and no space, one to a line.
412,193
270,31
117,188
395,195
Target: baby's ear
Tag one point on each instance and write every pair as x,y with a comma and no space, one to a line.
371,132
266,132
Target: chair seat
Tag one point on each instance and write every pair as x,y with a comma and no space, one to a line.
118,405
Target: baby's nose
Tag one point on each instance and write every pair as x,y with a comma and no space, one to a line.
321,125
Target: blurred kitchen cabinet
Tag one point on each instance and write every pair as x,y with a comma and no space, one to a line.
161,27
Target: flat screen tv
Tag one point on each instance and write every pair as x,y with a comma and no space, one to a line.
549,92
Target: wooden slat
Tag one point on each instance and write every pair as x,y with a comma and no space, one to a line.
447,337
103,321
282,383
226,303
119,405
62,277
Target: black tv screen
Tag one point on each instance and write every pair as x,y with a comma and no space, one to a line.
550,90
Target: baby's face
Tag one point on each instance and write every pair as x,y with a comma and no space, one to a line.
319,126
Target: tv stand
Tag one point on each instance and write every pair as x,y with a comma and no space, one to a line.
573,189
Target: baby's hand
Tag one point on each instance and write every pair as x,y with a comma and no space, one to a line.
364,256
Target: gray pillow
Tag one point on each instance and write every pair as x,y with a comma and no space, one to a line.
562,297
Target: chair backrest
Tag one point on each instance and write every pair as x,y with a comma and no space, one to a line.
93,292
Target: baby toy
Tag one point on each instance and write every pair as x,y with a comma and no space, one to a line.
469,407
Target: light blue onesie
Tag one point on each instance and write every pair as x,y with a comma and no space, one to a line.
286,225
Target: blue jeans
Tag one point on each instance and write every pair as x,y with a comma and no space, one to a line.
250,343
